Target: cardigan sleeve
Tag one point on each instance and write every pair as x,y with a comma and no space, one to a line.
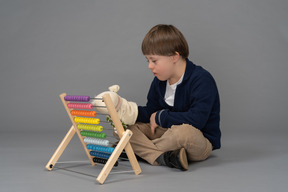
152,105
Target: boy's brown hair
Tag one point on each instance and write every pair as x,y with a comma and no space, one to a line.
165,40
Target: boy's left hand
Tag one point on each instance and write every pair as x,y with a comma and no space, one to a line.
153,124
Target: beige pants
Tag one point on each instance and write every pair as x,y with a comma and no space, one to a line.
150,147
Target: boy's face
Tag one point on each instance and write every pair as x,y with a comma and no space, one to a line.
161,66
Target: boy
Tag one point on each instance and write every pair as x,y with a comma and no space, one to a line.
180,122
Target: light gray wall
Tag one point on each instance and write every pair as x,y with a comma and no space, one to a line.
82,47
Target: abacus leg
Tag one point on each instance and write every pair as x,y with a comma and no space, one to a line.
60,149
132,158
114,156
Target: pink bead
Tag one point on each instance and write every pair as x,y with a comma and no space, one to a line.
80,105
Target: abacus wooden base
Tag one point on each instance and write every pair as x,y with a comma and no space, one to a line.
123,142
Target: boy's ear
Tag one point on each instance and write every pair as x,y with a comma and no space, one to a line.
176,57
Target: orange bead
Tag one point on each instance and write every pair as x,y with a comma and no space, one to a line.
83,113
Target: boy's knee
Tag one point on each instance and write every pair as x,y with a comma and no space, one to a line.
187,135
192,139
140,128
186,131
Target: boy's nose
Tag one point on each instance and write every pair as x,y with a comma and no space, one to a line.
150,65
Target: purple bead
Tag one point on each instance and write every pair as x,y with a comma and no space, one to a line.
77,98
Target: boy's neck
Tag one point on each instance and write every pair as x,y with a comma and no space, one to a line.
179,71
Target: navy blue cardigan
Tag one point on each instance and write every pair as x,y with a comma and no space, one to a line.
196,103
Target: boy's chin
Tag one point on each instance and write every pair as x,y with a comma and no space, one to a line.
161,79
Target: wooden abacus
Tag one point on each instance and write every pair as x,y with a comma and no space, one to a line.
80,124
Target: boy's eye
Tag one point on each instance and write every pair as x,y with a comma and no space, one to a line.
153,61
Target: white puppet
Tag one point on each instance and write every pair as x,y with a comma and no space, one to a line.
127,110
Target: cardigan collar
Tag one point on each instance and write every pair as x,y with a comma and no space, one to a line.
190,66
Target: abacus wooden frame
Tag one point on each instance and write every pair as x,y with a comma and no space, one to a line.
123,142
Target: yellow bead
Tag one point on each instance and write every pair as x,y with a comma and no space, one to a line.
87,120
97,128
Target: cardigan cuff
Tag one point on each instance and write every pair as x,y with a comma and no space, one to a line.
158,117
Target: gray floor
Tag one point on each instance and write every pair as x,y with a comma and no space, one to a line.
250,162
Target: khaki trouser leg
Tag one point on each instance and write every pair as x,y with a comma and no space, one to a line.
142,144
150,147
185,136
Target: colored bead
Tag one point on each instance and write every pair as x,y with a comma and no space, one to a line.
100,148
96,141
77,98
87,120
93,134
99,154
103,161
83,113
97,128
80,105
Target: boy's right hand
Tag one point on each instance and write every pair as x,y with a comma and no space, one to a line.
153,123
